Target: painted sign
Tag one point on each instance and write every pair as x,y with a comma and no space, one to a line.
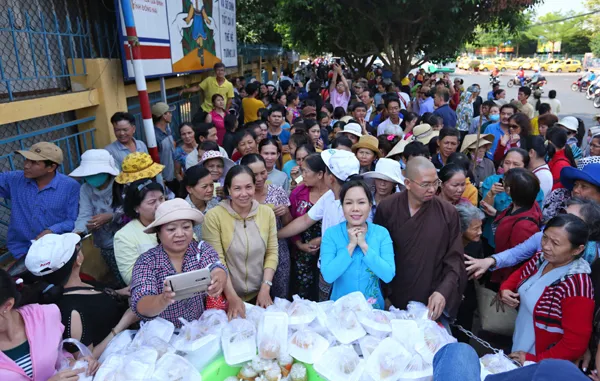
181,36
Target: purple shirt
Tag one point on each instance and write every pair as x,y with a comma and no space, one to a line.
340,100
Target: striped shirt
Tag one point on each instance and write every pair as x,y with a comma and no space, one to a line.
21,355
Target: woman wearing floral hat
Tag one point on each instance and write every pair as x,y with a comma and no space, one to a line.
218,166
100,204
367,151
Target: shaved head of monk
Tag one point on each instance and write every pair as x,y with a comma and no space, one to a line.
422,180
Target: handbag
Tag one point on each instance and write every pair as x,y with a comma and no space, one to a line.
499,322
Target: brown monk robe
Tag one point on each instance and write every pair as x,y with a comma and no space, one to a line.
427,243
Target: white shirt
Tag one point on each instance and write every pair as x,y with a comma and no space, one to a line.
545,176
554,105
329,211
192,158
406,98
387,127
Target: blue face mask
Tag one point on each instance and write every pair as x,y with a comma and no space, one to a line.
495,117
96,180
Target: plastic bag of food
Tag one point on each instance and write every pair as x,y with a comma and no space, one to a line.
434,338
301,312
494,364
157,327
200,351
344,324
354,301
273,373
307,346
418,310
63,362
110,368
388,361
298,373
174,367
340,363
138,365
285,362
238,340
272,335
214,320
368,344
117,344
376,322
279,305
406,332
254,314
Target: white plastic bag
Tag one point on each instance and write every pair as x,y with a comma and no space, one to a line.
344,324
157,327
494,364
63,362
434,338
368,344
214,320
174,367
117,344
272,335
110,368
388,361
340,363
307,346
279,305
301,312
354,301
138,365
238,340
254,314
376,322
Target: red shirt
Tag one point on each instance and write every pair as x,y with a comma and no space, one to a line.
556,164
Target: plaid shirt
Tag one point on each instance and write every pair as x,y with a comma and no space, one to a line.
154,266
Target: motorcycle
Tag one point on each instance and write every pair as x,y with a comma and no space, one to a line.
494,80
514,82
579,85
589,92
597,98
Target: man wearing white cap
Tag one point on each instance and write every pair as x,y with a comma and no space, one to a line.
42,200
571,125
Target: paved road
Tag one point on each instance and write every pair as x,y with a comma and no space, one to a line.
572,103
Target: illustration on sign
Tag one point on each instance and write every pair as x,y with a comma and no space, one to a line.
182,36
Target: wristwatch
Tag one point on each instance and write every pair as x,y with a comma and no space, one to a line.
268,283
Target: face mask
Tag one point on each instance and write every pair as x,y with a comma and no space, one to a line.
495,117
96,180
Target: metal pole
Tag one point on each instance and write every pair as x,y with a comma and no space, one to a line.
163,89
140,79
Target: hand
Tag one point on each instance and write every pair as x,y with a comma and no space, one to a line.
236,308
518,356
504,139
93,365
320,144
67,375
295,172
584,361
352,236
509,298
497,188
220,192
514,138
43,233
207,21
306,247
99,220
167,296
315,243
285,149
217,282
594,375
280,210
436,305
124,291
360,237
477,267
264,298
182,91
488,209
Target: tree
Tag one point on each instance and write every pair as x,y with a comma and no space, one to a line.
395,30
551,30
256,22
595,44
579,43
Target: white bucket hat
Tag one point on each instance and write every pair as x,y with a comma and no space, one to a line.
352,128
385,169
570,123
209,155
342,164
95,161
174,210
50,253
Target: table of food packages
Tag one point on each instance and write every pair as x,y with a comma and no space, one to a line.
345,340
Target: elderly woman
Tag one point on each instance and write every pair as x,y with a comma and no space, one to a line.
386,179
176,253
454,182
356,255
200,189
99,198
367,152
217,164
244,234
141,201
554,293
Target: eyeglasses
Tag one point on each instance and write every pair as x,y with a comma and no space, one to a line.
514,126
595,145
436,184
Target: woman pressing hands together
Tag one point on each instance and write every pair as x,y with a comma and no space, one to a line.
356,255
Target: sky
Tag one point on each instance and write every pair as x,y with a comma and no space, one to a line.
558,5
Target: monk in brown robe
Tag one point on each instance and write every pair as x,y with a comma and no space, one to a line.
427,243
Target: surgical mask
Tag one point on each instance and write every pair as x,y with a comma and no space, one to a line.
96,180
495,117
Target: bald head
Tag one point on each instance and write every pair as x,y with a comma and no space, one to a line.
417,166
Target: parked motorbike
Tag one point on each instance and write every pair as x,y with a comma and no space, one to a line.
597,98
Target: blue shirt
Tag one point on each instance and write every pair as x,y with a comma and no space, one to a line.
447,114
287,167
358,272
426,106
32,210
119,151
490,95
498,133
284,136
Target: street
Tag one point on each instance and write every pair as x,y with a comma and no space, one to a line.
572,103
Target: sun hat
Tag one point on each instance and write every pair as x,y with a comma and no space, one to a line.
271,83
50,253
346,118
385,169
352,128
590,174
209,155
569,122
424,133
174,210
368,142
342,164
136,166
585,161
43,151
160,108
470,141
95,161
399,147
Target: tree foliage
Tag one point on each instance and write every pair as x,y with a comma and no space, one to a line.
552,30
397,30
256,22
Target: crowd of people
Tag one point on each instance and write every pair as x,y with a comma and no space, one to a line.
411,190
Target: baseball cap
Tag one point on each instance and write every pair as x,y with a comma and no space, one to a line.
342,164
160,108
50,253
569,122
43,151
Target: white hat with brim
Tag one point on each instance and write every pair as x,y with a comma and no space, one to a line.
346,118
341,163
424,133
209,155
570,123
352,128
385,169
470,141
50,253
399,147
174,210
95,161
